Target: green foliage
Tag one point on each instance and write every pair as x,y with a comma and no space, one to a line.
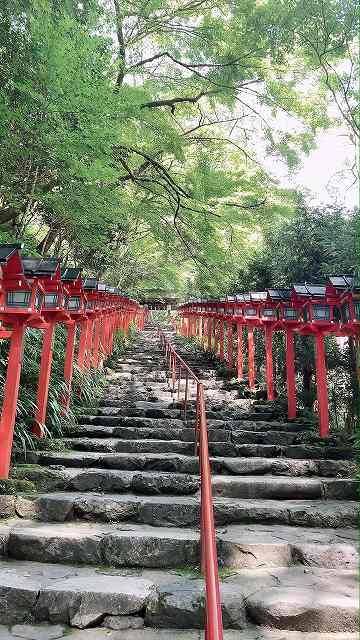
87,387
152,169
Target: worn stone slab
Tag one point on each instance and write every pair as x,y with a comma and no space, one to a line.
7,506
137,545
189,464
113,480
181,605
123,623
305,608
283,488
147,433
40,632
185,510
54,593
267,597
177,634
133,421
129,446
290,428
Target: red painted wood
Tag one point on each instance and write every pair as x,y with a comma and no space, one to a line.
229,361
44,380
240,357
321,386
216,336
69,363
251,358
221,340
82,343
210,330
11,392
89,343
96,345
290,373
269,363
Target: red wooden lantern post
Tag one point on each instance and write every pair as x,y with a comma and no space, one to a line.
268,316
209,332
47,274
229,313
319,320
19,304
90,288
75,306
239,320
251,319
221,328
216,335
240,356
290,319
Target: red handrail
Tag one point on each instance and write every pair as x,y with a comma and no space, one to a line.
209,561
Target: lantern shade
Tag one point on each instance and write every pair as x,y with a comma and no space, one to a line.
268,312
51,300
250,312
290,313
73,303
20,298
357,310
321,311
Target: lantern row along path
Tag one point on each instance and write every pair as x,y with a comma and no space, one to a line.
111,538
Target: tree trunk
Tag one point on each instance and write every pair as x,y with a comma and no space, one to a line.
121,43
45,245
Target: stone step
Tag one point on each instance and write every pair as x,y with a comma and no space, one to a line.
109,480
154,433
285,488
129,446
217,448
321,600
81,597
239,546
130,624
178,463
152,483
163,510
288,599
132,421
138,417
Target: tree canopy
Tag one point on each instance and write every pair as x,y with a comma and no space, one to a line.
134,134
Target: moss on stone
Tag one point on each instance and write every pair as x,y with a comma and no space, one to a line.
13,486
41,478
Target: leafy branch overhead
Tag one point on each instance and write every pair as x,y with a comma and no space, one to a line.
130,127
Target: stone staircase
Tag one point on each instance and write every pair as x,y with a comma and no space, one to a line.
109,543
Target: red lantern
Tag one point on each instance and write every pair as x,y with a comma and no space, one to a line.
19,304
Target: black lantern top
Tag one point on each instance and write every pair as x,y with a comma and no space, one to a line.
70,274
258,296
90,284
280,295
9,250
310,290
40,268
